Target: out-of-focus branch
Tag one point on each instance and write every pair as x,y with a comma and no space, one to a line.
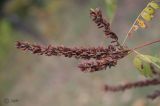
146,44
155,95
151,82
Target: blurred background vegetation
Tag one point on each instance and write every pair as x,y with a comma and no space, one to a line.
56,81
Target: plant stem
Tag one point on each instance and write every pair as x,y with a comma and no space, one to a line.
146,44
130,30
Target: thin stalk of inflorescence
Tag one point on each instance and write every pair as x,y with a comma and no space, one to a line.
130,31
131,28
143,45
146,44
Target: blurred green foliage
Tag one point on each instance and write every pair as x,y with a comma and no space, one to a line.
147,65
21,7
6,37
111,6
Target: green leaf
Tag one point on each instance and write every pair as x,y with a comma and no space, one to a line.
147,65
111,8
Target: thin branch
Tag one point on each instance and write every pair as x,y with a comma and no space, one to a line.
128,33
146,44
127,86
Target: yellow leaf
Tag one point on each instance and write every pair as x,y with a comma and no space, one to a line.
154,5
141,23
149,10
146,16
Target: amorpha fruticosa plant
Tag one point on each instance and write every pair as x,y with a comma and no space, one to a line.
101,57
